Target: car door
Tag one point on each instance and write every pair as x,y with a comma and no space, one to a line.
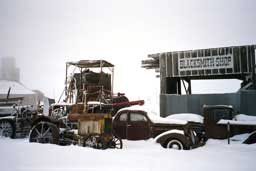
120,125
138,127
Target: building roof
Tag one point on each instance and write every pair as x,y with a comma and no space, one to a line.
16,88
91,63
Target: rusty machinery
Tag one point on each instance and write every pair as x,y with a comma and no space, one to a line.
85,117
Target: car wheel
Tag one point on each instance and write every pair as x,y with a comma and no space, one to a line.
7,128
116,143
44,132
174,144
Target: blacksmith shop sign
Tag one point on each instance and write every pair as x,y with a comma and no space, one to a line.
203,63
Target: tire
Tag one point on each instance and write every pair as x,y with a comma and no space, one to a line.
7,128
45,133
174,144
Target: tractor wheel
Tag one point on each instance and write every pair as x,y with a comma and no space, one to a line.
44,132
7,128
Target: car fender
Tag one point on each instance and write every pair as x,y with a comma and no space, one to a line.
251,139
173,134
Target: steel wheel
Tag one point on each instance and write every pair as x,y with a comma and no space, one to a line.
44,132
175,144
6,128
116,143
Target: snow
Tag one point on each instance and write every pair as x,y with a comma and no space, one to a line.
190,117
240,119
241,137
154,117
20,155
61,104
176,131
233,122
95,103
16,88
158,119
243,117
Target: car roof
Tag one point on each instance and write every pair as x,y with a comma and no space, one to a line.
153,116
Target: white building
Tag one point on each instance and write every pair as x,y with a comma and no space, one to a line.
10,79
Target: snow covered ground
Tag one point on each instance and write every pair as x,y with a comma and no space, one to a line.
21,155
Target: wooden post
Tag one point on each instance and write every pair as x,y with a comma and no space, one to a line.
228,129
189,86
253,66
66,81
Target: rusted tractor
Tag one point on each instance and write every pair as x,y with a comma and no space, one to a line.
83,129
85,117
95,130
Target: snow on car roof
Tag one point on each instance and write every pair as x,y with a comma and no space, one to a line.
154,117
190,117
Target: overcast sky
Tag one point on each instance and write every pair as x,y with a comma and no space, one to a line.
43,35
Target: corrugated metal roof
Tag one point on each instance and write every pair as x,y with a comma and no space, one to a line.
91,63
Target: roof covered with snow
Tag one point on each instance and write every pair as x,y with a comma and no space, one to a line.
16,88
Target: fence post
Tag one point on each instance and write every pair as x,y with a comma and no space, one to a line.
228,130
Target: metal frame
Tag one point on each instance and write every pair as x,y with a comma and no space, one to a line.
89,64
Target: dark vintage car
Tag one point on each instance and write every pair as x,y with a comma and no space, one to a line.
217,118
134,123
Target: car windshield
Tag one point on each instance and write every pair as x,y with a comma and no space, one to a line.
136,117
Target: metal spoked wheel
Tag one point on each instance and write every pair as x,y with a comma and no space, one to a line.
44,132
6,128
175,144
116,143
